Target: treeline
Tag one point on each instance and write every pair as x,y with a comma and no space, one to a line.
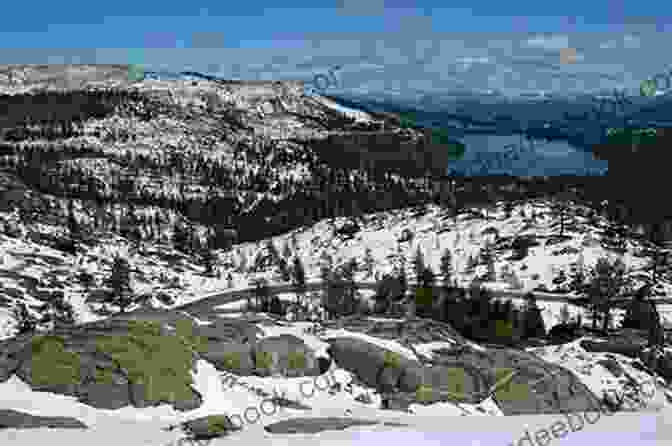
475,312
638,173
210,192
54,114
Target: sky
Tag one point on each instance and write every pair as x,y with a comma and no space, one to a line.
399,46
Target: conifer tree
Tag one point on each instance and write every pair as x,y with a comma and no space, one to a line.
332,291
262,294
284,270
533,321
120,282
286,251
57,310
487,257
577,276
299,279
368,262
399,272
349,289
73,226
418,264
326,266
424,298
208,258
25,321
242,262
607,282
181,236
446,267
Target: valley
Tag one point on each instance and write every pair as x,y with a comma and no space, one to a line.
159,237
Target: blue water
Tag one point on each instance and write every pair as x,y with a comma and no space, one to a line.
495,152
500,154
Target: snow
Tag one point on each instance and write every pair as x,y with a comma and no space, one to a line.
598,378
433,231
435,424
427,348
436,421
358,115
384,343
618,429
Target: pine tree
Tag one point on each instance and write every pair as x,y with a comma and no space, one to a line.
262,294
120,282
295,243
533,321
332,291
487,257
242,262
286,251
73,226
471,265
284,270
400,275
299,279
656,334
326,266
273,251
515,281
369,262
280,262
656,236
347,277
561,207
607,282
194,243
383,296
57,310
446,267
208,259
181,237
577,276
399,272
424,298
508,209
276,307
418,264
25,321
491,274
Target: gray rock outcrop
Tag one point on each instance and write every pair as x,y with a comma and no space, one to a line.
315,425
14,419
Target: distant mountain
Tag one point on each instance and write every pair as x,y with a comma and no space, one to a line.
182,75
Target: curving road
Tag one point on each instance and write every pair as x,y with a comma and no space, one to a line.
204,308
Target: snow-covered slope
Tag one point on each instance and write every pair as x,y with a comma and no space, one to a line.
432,229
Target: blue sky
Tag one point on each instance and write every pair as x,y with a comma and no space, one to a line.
396,45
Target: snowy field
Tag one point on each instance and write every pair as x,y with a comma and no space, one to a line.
617,430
